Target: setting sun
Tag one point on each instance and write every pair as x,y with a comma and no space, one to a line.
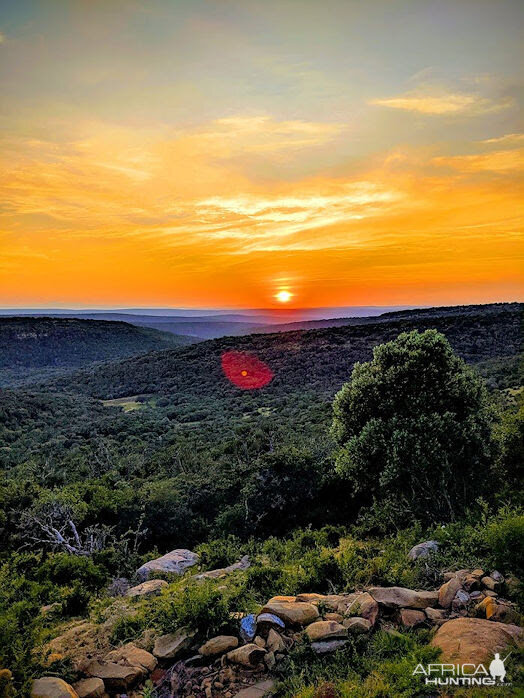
283,296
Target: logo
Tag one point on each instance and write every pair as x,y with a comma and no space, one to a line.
466,674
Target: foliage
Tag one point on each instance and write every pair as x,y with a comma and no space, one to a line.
414,426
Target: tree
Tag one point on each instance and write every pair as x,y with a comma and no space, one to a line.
414,426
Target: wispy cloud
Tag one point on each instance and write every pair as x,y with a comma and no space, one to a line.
445,103
507,139
500,161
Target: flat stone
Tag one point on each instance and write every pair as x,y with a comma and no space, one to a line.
357,625
447,592
328,647
434,613
90,688
247,655
132,655
174,562
293,614
310,598
338,617
478,573
325,630
169,646
282,599
117,678
242,564
152,587
411,618
399,597
218,645
258,690
474,640
52,687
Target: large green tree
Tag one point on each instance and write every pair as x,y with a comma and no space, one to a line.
414,428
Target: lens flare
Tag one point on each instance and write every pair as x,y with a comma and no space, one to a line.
245,370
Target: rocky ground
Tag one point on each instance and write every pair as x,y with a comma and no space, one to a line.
470,619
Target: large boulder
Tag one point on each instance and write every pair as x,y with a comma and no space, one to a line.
52,687
325,630
117,678
293,614
398,597
175,562
170,645
423,549
152,587
218,645
474,640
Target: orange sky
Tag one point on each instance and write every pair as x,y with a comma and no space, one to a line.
218,172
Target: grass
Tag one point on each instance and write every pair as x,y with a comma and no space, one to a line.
128,404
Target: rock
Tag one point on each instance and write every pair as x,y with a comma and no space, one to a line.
293,614
460,601
175,562
266,621
52,687
398,597
448,575
310,598
434,613
478,573
131,655
488,592
247,655
357,625
274,642
411,618
258,690
117,678
471,583
339,603
476,596
504,613
248,627
282,599
473,640
152,587
259,641
325,630
270,660
366,607
242,564
490,583
328,647
423,549
90,688
497,577
338,617
169,646
50,608
218,645
448,591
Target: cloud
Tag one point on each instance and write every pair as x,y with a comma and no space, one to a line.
508,139
500,161
443,103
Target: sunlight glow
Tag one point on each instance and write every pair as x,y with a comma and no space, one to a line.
284,296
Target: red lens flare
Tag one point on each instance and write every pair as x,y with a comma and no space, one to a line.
245,371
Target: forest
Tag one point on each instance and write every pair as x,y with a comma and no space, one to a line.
366,439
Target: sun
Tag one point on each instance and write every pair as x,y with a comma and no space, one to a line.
284,296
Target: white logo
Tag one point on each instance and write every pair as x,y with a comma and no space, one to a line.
463,674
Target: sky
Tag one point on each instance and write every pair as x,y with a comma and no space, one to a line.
216,153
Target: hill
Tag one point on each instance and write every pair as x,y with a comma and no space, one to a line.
44,342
